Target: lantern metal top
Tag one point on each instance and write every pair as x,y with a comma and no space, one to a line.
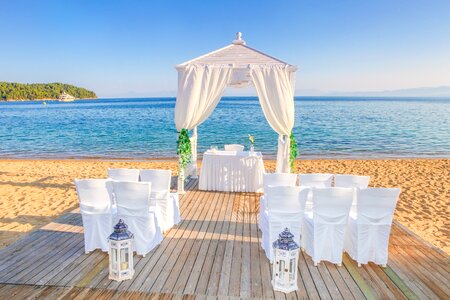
285,241
121,232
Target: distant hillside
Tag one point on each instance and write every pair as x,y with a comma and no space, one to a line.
440,91
37,91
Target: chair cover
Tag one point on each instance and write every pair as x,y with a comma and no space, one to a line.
351,181
368,232
274,179
94,196
234,147
133,206
163,202
285,209
316,180
124,174
324,228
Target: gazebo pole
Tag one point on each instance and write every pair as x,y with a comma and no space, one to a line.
193,139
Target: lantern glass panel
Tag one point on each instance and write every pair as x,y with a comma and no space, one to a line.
114,258
292,265
123,259
281,270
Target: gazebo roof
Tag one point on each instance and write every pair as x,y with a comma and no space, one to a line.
238,54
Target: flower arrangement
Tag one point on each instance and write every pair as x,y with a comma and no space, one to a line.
251,139
294,151
184,150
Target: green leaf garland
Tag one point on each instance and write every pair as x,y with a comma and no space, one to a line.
184,150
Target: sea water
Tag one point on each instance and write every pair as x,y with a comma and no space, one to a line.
325,127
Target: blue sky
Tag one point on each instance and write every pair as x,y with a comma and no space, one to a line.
129,48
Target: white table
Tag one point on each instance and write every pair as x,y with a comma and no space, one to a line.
232,171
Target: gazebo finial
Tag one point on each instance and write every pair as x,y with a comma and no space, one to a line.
239,40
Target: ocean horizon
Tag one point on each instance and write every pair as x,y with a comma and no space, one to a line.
143,128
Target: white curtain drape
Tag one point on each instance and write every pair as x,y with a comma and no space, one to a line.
275,88
200,88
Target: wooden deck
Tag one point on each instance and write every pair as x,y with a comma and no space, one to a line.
215,251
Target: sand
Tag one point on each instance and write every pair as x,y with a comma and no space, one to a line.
35,192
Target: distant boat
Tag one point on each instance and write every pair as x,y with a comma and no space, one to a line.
66,97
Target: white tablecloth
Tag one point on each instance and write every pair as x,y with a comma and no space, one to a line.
232,171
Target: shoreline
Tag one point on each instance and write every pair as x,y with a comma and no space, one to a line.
34,192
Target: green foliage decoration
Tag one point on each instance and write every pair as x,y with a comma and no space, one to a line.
39,91
184,150
294,151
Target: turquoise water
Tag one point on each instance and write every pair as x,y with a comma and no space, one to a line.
144,128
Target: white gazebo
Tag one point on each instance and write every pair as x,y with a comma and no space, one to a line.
202,81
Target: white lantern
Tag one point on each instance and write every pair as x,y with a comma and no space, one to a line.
121,253
285,263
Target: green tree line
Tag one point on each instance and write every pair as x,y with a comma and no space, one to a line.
35,91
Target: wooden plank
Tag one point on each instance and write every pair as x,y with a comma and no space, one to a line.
351,284
212,239
168,259
36,257
19,256
187,241
245,285
236,259
255,267
225,275
339,281
415,270
41,265
188,256
365,288
214,279
328,280
316,277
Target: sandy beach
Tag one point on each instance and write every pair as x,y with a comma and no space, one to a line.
34,192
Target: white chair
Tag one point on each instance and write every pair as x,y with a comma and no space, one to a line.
133,206
324,228
368,232
234,147
274,179
351,181
316,180
166,204
285,210
94,196
124,174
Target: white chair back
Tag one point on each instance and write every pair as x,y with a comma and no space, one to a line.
160,179
332,205
351,181
124,174
286,198
94,195
285,210
132,198
133,206
316,180
279,179
234,147
376,205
